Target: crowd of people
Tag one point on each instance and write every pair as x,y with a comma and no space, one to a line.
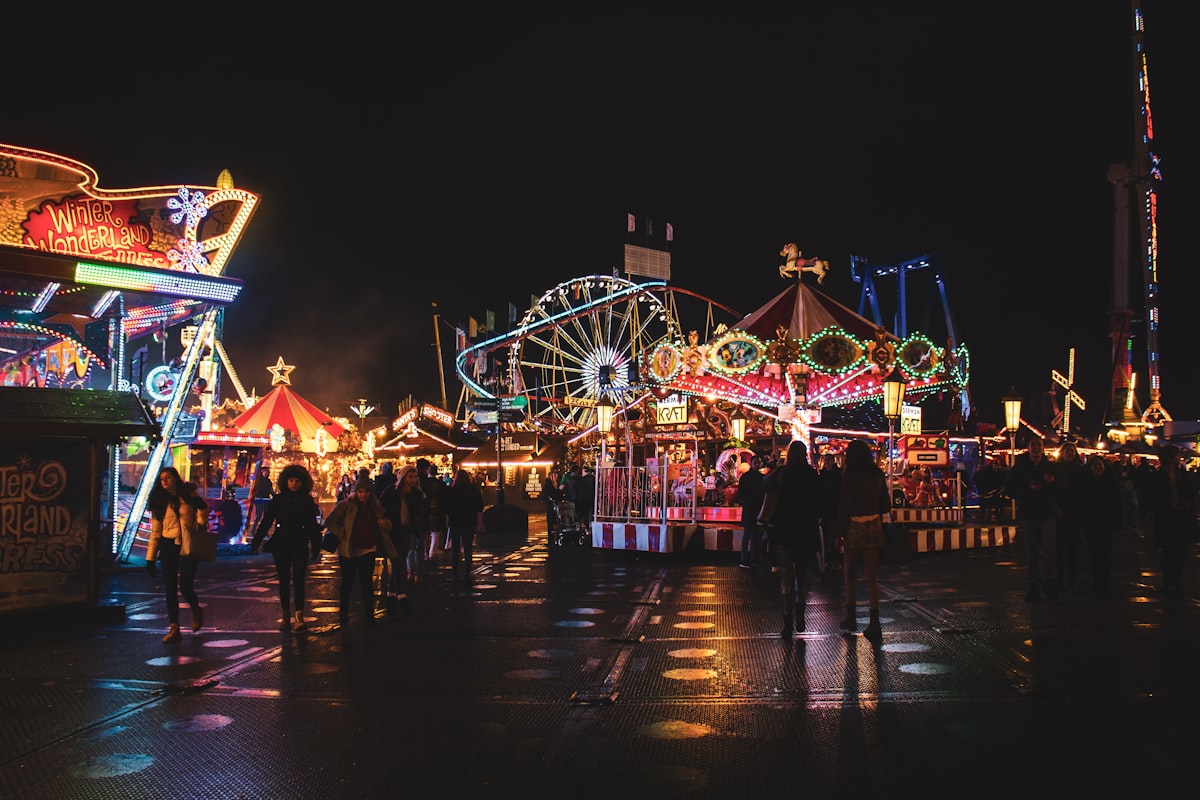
794,516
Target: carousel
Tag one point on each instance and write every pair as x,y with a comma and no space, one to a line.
771,375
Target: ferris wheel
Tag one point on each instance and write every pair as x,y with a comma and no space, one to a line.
581,338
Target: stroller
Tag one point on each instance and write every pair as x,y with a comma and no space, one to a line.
566,529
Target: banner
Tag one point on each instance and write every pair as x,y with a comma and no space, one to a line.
44,496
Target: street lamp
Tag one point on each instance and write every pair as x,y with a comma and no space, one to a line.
893,401
737,425
1012,420
604,417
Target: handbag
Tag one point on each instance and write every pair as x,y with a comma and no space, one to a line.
200,545
329,542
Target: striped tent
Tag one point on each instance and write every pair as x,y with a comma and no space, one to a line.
293,413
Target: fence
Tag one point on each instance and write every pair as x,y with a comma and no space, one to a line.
642,494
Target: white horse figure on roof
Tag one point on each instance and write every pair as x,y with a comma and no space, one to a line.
795,264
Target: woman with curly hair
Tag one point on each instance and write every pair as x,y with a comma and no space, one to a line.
294,513
178,514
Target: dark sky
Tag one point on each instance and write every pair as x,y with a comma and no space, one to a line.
477,159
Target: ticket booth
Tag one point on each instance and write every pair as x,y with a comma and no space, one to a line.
54,483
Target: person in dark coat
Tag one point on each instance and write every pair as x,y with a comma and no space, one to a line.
585,496
862,503
751,489
1031,482
1172,496
1102,506
831,490
793,530
1071,474
464,514
295,516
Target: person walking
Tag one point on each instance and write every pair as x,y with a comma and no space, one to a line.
294,513
585,497
794,492
1172,498
831,490
464,513
751,490
361,528
384,480
1101,503
552,494
410,511
402,505
1071,475
177,514
260,494
862,502
435,507
1031,482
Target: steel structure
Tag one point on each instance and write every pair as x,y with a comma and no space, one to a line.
1135,185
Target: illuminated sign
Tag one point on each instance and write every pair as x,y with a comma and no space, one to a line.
54,204
910,419
180,284
160,383
671,413
93,227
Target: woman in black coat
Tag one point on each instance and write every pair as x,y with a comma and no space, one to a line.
294,514
465,514
795,492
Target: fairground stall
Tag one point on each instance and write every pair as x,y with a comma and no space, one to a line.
426,431
121,290
296,432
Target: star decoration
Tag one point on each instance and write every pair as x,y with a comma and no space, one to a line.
280,373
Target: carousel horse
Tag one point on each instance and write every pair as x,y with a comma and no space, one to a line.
795,264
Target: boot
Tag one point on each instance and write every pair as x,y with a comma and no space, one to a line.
873,631
197,618
298,623
172,633
787,625
285,622
850,622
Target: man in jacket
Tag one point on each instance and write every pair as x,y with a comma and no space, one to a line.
1031,482
751,488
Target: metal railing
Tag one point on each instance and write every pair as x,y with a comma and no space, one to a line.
642,494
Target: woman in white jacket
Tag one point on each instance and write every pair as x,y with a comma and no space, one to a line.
178,514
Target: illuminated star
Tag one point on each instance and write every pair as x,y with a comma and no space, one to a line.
280,373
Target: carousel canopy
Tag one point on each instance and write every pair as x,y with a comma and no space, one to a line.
804,311
291,412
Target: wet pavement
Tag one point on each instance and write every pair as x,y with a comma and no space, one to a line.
581,673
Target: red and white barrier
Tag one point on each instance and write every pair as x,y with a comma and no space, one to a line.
935,539
926,515
657,538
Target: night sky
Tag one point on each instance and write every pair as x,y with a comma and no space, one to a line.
477,159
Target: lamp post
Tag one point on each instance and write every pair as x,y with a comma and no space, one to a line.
604,417
893,401
363,410
737,425
1012,421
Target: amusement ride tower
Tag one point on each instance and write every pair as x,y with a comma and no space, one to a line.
1136,182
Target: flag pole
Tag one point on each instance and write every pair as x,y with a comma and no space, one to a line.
437,343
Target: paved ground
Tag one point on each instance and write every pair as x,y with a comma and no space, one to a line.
595,674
